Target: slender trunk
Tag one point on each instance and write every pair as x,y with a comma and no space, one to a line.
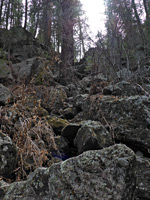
26,14
81,35
12,14
49,14
36,25
7,14
146,10
1,8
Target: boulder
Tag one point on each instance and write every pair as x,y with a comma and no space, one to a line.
21,43
25,70
123,89
101,174
91,136
143,178
3,188
57,124
5,72
78,101
127,117
6,96
8,156
53,99
124,74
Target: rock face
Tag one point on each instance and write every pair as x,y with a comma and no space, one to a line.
6,96
102,174
8,156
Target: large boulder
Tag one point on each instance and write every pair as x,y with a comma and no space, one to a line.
6,96
101,174
32,68
53,98
8,156
91,136
127,117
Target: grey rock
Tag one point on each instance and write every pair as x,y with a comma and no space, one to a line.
21,43
91,136
6,96
143,178
5,73
3,188
79,100
101,174
123,88
8,156
128,117
124,74
23,71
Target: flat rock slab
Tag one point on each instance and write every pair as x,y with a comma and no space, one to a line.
101,174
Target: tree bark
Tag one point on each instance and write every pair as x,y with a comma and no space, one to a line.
67,54
147,11
138,22
26,14
1,8
7,14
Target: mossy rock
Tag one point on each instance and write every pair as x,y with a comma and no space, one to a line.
57,124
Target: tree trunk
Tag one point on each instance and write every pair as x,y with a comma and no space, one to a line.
1,8
81,36
67,54
12,14
7,14
36,25
138,22
147,11
26,14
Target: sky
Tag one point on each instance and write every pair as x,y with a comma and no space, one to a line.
95,12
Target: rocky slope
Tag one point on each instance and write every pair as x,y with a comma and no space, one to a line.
89,139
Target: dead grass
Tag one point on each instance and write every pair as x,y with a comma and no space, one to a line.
32,135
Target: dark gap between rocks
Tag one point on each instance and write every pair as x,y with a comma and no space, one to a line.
135,146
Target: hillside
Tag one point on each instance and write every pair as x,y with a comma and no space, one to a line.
82,136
